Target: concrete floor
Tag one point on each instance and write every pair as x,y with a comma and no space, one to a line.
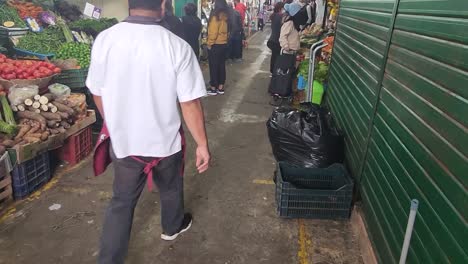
233,204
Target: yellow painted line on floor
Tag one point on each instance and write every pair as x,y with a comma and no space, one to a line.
266,182
304,244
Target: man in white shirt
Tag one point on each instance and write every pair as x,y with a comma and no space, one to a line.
140,73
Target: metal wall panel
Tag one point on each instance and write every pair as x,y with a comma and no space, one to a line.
358,58
419,140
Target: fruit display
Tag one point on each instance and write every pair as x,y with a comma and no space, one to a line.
25,69
26,9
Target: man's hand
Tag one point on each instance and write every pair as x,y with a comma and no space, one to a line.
195,120
203,159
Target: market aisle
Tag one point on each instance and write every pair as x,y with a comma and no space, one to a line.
233,204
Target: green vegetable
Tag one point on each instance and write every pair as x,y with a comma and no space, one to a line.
45,42
7,112
8,13
7,128
321,72
304,69
65,29
75,50
93,26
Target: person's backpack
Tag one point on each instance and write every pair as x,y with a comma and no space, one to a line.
301,17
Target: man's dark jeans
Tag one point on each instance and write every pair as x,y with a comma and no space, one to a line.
129,182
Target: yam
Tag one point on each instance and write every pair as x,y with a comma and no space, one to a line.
33,116
14,108
45,135
28,102
53,109
54,131
32,139
64,108
33,130
21,107
46,98
8,143
36,105
37,97
65,125
51,116
61,129
52,124
44,108
23,130
63,115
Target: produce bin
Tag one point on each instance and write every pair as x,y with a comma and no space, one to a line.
5,181
20,53
72,78
313,193
29,176
77,147
11,32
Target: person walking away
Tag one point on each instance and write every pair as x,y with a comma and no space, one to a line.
273,43
173,22
217,46
192,27
236,36
139,97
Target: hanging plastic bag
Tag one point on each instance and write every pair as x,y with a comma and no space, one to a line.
304,139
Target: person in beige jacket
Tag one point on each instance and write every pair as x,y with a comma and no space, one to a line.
289,36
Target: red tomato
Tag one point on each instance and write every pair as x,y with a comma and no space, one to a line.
37,74
57,70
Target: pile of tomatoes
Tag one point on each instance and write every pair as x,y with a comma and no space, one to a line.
26,69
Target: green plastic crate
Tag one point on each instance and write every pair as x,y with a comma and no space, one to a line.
72,78
313,193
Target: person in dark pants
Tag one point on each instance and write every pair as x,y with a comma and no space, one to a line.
154,152
217,46
273,43
174,23
192,27
236,36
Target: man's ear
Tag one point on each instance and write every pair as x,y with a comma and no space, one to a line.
163,7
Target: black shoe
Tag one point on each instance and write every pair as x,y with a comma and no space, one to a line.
186,224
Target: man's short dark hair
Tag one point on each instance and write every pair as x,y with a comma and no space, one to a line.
153,5
190,9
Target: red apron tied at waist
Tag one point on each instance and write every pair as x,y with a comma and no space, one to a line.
102,158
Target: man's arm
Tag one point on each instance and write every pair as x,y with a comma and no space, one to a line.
98,102
192,112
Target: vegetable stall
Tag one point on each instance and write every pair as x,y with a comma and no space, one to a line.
45,51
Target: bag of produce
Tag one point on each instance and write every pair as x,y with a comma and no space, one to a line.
304,138
17,94
59,90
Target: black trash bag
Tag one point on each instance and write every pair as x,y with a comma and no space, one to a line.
304,138
283,75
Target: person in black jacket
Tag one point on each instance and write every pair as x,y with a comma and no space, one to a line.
273,43
192,27
173,22
236,37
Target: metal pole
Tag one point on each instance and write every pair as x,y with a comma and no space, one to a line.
409,230
310,80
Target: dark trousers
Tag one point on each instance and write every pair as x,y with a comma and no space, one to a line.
217,62
275,52
129,182
261,24
235,48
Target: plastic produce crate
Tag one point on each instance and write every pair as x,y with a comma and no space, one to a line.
30,175
73,78
29,54
5,181
10,32
77,147
313,193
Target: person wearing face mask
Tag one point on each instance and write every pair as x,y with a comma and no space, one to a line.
273,43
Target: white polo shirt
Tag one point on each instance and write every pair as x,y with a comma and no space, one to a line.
142,72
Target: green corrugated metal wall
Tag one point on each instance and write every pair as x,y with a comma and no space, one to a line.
418,144
363,30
